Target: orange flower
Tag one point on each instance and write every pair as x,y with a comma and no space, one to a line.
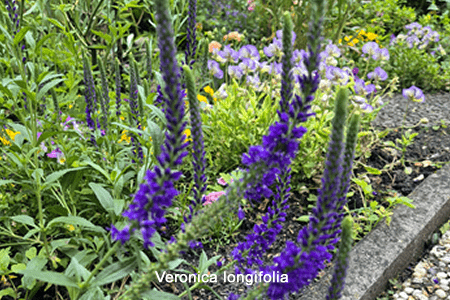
234,35
214,45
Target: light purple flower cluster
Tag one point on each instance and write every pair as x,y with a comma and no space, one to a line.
417,36
414,94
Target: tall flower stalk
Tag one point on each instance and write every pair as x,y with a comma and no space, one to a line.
146,212
105,98
199,161
118,88
191,40
89,96
136,113
340,268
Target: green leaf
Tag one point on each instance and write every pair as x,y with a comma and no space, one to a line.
50,277
31,253
56,175
103,196
6,33
100,169
8,292
20,35
43,91
304,218
373,171
42,40
56,23
115,272
75,220
30,40
4,259
3,182
6,91
204,263
175,263
24,219
118,206
77,270
157,295
104,36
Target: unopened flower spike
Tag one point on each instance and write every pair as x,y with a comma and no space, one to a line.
199,161
118,88
341,263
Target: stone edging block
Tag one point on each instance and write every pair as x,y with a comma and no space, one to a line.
387,250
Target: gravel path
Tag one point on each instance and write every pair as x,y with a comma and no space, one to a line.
435,108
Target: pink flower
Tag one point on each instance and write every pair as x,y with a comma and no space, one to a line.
221,181
54,153
212,197
58,155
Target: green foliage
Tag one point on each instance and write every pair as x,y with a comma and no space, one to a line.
416,67
234,124
385,17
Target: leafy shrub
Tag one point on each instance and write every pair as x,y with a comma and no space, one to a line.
383,16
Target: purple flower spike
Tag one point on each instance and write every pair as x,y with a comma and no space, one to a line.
414,94
156,194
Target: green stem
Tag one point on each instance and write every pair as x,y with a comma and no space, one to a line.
100,264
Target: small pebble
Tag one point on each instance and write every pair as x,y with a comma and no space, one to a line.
440,293
403,295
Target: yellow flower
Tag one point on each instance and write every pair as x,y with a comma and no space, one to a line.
5,141
70,227
122,118
353,42
214,45
187,133
202,99
11,133
362,32
209,90
70,106
371,36
347,38
124,137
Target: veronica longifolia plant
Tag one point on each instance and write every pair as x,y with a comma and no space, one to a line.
268,175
